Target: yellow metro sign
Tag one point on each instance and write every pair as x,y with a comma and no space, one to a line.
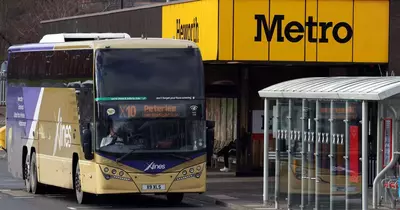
336,31
294,31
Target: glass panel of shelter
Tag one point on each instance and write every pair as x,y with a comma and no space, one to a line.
280,122
388,187
311,145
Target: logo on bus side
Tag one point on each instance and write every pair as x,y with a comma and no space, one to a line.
62,135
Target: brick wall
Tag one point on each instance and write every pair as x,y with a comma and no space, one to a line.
108,5
394,37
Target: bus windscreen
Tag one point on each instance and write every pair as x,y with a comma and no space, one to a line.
149,73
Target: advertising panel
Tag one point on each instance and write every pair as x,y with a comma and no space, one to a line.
354,149
387,141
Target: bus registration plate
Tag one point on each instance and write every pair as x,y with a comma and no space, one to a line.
153,187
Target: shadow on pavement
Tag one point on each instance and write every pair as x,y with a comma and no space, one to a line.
121,201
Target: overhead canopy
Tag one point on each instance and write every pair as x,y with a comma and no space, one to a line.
344,88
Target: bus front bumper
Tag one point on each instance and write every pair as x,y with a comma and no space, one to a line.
113,180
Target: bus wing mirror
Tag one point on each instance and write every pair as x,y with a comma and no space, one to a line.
210,140
210,137
210,124
87,144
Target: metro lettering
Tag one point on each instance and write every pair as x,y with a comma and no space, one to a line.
294,30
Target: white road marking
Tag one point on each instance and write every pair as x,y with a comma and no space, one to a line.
222,197
89,207
24,197
264,208
55,196
254,205
233,180
196,200
18,193
12,180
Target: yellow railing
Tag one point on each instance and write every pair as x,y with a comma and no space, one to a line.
3,145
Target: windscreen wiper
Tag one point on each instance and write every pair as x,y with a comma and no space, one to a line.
180,156
124,156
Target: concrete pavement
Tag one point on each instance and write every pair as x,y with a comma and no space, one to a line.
246,193
224,191
241,193
19,199
14,197
6,181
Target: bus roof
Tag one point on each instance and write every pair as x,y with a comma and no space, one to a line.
66,37
126,43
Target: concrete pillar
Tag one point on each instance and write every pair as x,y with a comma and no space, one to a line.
394,37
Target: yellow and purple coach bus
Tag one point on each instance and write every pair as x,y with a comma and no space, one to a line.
107,115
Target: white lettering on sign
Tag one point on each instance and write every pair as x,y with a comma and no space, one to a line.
154,166
20,107
62,135
22,123
19,115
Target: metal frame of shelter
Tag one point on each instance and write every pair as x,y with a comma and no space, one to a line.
382,90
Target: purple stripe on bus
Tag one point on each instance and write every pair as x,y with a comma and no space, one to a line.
34,47
21,105
142,165
31,97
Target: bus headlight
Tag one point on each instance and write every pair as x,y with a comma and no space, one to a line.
114,173
192,173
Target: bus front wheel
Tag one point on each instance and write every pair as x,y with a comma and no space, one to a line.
175,198
81,197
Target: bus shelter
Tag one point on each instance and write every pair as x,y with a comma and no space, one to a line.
322,137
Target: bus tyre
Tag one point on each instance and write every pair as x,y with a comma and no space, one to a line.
174,198
81,197
27,175
36,187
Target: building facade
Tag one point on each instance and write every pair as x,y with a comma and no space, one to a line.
250,44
